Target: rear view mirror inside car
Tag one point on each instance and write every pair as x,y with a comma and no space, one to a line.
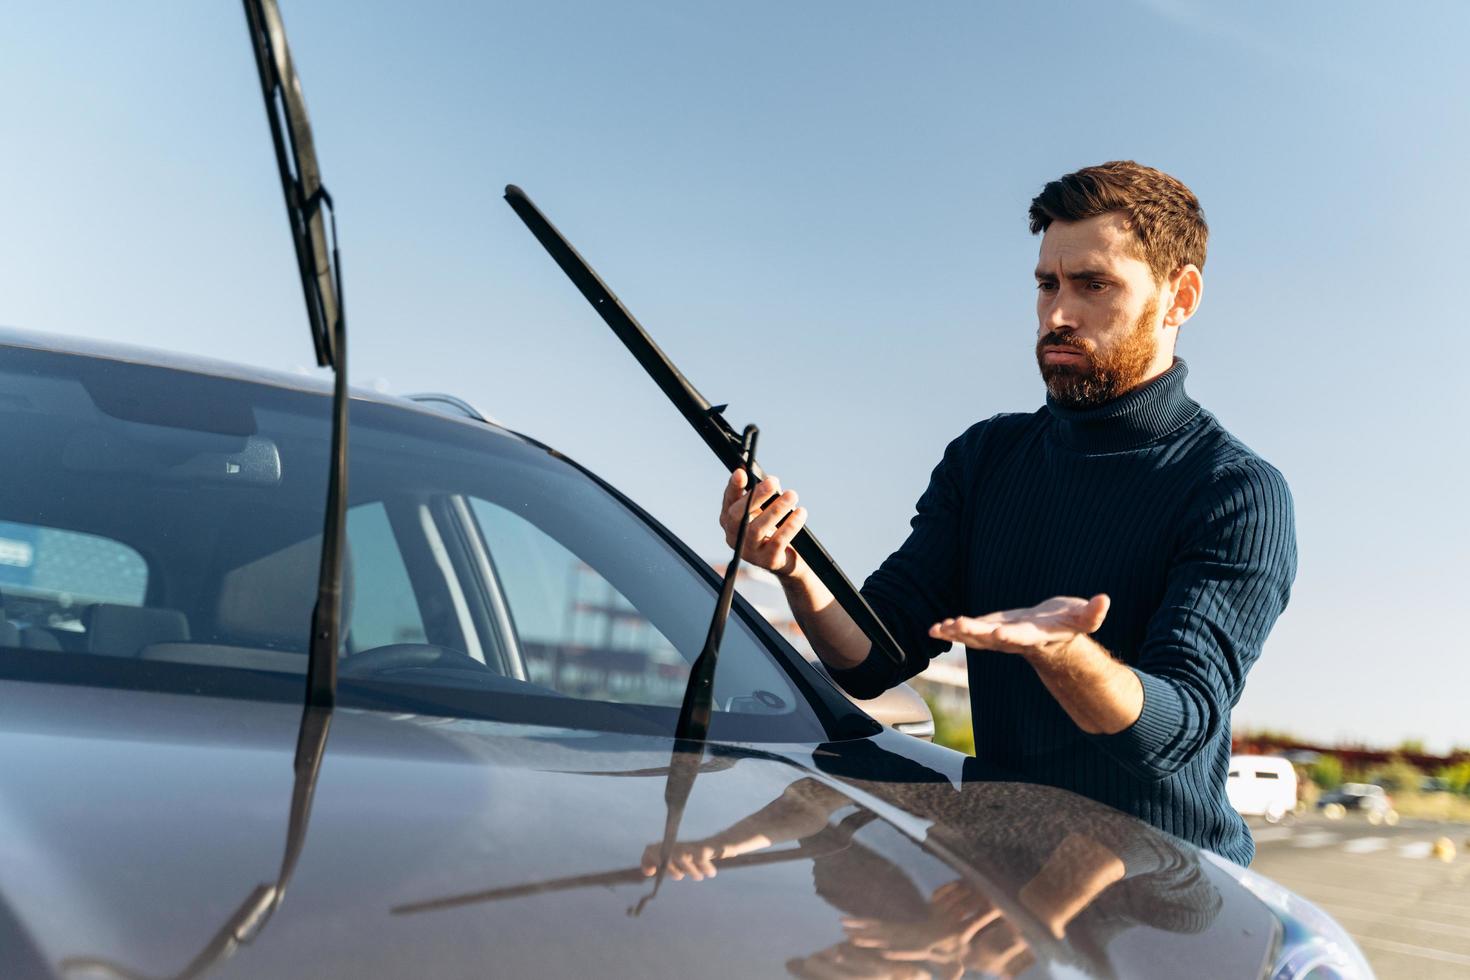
172,455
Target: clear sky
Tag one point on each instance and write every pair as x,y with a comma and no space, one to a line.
818,209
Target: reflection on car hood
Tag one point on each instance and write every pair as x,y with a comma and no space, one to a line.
133,825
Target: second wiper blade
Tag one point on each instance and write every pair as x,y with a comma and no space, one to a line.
708,420
320,267
301,179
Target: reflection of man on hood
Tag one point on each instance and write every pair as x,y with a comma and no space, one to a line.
1058,876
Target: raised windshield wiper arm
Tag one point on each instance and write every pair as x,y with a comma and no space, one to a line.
708,420
699,694
321,283
301,178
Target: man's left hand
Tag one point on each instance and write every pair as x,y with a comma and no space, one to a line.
1045,630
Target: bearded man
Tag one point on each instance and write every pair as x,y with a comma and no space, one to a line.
1113,561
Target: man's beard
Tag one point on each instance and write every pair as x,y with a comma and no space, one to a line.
1103,377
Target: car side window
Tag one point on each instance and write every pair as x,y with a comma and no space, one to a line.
581,636
578,634
384,610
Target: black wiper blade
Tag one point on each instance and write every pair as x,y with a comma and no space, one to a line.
301,179
321,283
708,420
699,693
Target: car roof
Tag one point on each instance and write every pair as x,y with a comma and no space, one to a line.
313,382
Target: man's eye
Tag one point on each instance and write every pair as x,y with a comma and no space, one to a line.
1046,287
1097,285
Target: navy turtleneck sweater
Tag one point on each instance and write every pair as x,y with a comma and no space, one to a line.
1148,499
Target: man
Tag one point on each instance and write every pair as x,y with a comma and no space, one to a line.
1114,561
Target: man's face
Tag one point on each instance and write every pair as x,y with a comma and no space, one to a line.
1099,329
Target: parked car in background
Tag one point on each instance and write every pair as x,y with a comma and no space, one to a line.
1262,786
1364,799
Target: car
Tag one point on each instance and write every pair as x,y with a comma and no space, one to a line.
1367,799
517,636
1262,786
480,713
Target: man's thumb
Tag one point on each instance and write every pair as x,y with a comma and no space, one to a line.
1097,611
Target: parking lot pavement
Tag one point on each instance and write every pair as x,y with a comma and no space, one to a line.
1408,910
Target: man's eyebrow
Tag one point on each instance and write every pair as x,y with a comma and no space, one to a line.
1080,274
1077,275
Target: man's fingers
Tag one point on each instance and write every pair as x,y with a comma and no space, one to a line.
781,539
764,523
753,502
765,490
960,627
986,634
1087,616
771,510
734,489
691,866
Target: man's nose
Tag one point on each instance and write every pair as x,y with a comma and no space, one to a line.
1056,317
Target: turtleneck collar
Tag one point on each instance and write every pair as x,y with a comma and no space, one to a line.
1141,416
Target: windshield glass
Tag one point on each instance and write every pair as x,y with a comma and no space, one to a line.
161,530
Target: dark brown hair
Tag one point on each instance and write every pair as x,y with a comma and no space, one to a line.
1161,211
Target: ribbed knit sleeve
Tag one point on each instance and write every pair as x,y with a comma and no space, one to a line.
1230,578
918,585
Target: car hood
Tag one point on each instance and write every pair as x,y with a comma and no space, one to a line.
136,827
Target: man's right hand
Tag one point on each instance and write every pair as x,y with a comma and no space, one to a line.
772,525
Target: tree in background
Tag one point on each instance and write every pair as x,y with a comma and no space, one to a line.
952,730
1398,775
1457,777
1326,772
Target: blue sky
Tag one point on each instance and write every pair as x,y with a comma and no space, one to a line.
819,211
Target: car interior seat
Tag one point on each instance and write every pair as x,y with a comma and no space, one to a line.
262,615
123,631
27,638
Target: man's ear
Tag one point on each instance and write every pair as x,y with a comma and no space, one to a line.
1186,289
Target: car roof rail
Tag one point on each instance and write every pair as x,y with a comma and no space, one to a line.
452,405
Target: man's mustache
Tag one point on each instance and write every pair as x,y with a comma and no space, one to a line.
1054,339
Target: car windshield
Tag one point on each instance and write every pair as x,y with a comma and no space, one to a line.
161,529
